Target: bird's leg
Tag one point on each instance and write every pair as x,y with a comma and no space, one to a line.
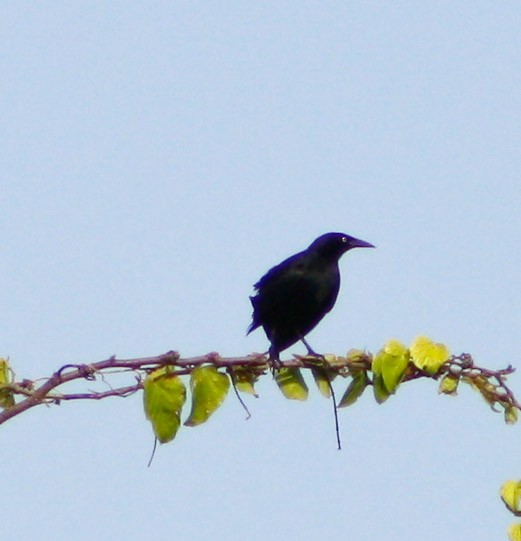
274,358
311,351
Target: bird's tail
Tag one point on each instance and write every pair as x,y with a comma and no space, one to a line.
254,324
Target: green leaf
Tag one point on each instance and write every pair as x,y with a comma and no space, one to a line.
245,380
291,383
163,397
357,355
313,360
449,385
511,495
511,415
514,532
428,356
209,389
323,379
390,363
355,388
6,396
381,394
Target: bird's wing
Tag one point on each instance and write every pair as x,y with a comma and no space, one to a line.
293,263
275,280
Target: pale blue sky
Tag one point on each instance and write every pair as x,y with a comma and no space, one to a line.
158,157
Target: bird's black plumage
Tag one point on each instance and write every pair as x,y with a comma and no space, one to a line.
292,297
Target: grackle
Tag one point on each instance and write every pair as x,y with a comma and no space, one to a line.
292,297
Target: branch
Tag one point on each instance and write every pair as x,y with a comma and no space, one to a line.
491,384
90,372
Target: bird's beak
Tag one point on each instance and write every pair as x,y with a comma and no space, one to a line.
357,243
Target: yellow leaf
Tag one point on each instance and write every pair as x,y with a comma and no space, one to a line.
428,356
6,396
449,385
323,378
209,389
356,355
511,495
330,359
245,381
163,396
291,383
390,363
511,415
514,532
354,389
246,386
487,390
4,371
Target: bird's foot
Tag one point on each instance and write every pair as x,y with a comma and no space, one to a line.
311,351
276,363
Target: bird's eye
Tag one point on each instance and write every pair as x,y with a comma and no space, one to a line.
344,239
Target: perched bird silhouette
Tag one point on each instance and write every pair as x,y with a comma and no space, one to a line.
292,297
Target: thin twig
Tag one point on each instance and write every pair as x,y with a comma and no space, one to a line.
335,412
122,392
239,398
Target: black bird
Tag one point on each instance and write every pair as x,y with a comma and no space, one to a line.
296,294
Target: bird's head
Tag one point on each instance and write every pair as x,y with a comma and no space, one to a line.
333,245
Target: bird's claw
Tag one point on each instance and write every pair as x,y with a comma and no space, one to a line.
276,364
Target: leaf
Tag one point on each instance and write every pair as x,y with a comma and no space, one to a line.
390,363
6,396
355,388
209,389
291,383
330,359
323,379
4,371
164,395
381,394
428,356
511,495
313,360
245,381
511,415
357,355
514,532
487,390
449,385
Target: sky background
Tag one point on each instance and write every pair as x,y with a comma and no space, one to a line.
158,157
